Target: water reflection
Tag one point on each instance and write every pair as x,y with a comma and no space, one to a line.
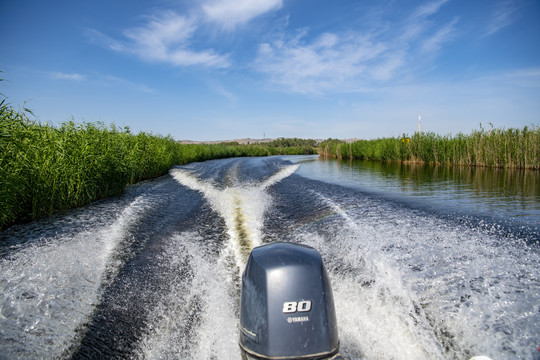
504,193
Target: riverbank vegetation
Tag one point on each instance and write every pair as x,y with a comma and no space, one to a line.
46,169
513,148
283,146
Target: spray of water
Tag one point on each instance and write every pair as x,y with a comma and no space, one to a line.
407,285
198,316
242,206
195,319
48,289
410,286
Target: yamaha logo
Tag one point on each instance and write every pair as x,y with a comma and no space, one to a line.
297,319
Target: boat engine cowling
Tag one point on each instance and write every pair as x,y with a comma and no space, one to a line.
287,307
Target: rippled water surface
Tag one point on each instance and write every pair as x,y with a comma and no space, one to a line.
509,194
425,263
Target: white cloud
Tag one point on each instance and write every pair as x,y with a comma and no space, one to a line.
504,14
161,33
100,79
389,66
428,9
221,90
67,76
328,63
164,38
109,80
418,23
433,43
355,61
230,13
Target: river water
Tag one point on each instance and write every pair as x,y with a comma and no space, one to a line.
425,262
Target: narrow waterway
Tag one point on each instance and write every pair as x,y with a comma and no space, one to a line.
425,263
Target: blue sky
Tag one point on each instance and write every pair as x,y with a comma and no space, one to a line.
226,69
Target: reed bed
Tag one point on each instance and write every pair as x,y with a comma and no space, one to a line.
46,169
512,148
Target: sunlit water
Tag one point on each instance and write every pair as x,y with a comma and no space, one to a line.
435,270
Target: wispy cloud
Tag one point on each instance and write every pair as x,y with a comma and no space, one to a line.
433,43
109,80
230,13
221,90
324,64
354,61
417,23
504,14
526,78
164,38
428,9
100,80
67,76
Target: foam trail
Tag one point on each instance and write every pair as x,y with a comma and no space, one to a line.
280,175
49,290
337,209
378,316
241,206
412,286
195,319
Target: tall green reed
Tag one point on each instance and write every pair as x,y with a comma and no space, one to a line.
46,169
513,148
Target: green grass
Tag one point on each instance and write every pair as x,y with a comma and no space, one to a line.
513,148
46,169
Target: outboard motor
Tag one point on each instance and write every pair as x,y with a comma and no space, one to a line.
287,308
